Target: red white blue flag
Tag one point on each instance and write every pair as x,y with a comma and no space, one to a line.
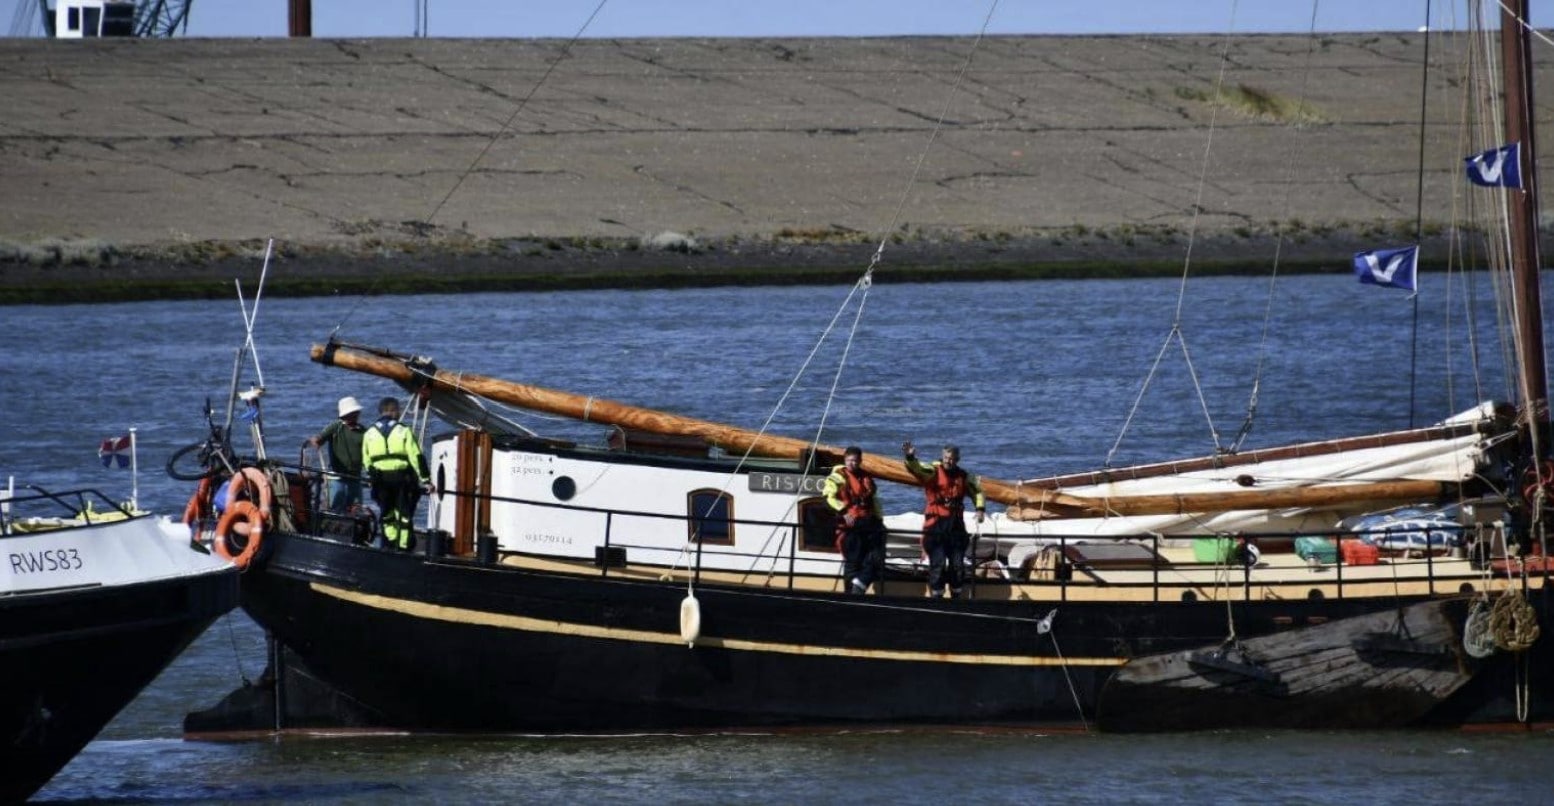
114,451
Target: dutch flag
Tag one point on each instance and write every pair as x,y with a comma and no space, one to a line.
113,451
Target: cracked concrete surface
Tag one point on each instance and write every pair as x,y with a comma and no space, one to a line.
142,142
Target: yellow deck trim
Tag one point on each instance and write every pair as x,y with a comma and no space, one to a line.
459,615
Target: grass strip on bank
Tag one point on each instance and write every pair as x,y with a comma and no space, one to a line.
456,282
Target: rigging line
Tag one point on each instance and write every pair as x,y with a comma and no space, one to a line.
1197,386
507,124
1138,401
861,284
836,379
1510,337
1456,263
550,68
1479,87
1523,23
865,283
922,157
1203,168
860,288
1497,244
1424,95
1278,246
1063,664
1192,234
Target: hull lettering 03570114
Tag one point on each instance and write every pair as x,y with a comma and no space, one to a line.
42,562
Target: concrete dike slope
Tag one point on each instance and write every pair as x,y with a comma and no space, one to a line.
155,168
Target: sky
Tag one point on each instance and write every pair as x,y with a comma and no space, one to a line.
790,18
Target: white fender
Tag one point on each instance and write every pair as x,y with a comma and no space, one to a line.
690,620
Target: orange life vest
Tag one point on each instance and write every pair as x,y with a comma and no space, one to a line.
946,494
858,495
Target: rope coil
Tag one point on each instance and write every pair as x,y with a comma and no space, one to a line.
1477,638
1513,622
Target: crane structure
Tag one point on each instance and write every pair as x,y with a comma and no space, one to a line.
77,19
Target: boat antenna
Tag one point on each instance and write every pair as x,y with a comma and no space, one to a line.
250,397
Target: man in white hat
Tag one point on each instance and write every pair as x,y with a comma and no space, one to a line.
345,455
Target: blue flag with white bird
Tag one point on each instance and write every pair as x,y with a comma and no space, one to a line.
1498,167
1393,268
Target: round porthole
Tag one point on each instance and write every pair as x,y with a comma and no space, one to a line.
1189,596
1466,587
563,488
1314,594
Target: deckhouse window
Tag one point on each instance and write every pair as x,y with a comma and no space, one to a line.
817,526
711,516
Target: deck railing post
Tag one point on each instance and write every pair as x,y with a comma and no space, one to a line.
696,575
1057,569
1429,562
1154,564
1338,538
1245,556
793,553
604,569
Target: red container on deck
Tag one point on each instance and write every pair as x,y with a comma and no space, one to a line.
1358,552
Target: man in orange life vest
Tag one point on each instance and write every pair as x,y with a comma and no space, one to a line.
945,485
860,530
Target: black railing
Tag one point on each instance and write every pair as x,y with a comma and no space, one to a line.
1227,551
71,504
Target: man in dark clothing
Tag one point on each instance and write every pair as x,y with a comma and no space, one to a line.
945,486
860,530
398,472
344,437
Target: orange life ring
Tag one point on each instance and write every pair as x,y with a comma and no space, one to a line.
199,503
225,531
254,477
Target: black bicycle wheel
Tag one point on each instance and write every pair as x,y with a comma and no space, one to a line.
189,463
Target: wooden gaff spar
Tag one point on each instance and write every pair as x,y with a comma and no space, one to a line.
1051,503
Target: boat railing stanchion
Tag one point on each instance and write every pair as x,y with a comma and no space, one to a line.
793,551
696,574
1339,561
1058,566
609,521
1430,560
1247,561
1154,566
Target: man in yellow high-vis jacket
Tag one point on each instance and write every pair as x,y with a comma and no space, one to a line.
397,470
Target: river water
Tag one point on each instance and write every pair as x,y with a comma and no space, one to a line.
1030,378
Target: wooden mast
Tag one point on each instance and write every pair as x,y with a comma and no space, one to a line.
1050,503
1527,313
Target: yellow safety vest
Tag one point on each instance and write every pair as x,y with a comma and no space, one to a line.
396,450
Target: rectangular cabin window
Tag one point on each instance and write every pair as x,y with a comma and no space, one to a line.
72,19
711,517
118,19
817,526
93,22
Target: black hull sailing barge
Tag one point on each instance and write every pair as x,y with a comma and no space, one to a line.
567,588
